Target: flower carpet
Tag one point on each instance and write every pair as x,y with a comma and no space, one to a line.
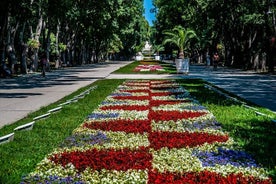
149,131
148,68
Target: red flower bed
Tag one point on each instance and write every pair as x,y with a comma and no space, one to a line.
129,126
126,107
173,115
182,139
105,159
204,177
148,67
124,159
131,97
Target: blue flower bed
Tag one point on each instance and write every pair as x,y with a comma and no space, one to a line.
194,107
51,180
224,156
84,139
102,116
121,94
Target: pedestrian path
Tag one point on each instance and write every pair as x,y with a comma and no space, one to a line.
257,88
23,95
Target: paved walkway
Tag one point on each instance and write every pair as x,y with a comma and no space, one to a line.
257,88
26,94
23,95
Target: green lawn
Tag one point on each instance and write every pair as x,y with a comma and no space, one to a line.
255,134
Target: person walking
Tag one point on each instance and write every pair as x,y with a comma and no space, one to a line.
215,60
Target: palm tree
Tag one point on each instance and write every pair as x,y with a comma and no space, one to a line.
158,48
180,37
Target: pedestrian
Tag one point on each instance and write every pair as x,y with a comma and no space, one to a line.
215,60
43,65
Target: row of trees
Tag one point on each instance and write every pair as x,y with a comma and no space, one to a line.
71,31
243,32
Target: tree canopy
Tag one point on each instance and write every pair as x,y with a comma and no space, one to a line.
83,31
243,32
180,37
74,32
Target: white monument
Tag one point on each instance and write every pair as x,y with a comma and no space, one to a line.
147,51
147,47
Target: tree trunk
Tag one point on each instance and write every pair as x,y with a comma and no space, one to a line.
24,51
263,62
181,54
4,71
10,48
34,65
57,58
63,59
256,62
271,54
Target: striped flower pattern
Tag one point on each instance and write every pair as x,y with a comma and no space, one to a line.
148,68
149,131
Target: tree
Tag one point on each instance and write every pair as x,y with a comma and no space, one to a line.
158,48
180,37
87,30
243,28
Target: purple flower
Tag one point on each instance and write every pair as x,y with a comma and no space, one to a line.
51,180
102,116
194,107
113,103
121,94
224,156
79,140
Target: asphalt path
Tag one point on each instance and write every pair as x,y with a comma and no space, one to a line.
22,95
256,88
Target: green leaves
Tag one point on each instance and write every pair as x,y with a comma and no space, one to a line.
158,48
180,37
33,43
242,26
253,19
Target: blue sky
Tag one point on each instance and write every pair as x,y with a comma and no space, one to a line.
149,16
